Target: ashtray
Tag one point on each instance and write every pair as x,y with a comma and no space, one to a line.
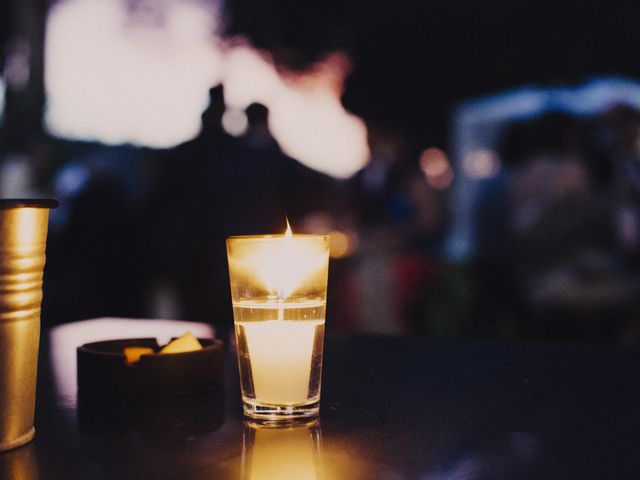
103,369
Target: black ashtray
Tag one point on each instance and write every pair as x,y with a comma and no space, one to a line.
103,370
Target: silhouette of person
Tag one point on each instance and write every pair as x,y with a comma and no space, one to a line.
182,215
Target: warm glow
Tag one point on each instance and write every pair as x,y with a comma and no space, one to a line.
306,115
436,168
342,243
281,354
433,162
120,75
278,290
283,263
441,182
283,454
339,244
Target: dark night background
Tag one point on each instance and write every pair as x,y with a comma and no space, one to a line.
152,215
414,60
482,310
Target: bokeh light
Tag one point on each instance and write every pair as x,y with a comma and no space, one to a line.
235,122
131,77
436,168
143,78
481,164
343,238
341,244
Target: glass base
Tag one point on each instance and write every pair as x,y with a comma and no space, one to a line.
280,414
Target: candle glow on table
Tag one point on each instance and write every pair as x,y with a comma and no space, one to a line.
278,286
282,453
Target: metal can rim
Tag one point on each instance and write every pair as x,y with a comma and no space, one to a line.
28,203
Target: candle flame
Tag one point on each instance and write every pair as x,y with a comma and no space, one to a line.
284,262
288,233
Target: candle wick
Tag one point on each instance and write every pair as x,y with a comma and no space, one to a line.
280,309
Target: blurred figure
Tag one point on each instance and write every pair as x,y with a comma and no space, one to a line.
549,263
375,187
402,221
252,179
258,134
618,134
257,188
378,199
183,217
210,188
95,256
27,174
259,185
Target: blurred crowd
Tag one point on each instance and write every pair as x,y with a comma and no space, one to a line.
140,232
558,228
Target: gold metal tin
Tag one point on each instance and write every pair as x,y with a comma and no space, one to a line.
20,464
23,234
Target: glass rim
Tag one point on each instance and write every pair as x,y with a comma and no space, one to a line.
279,236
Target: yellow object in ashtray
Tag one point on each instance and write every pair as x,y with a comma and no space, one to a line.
133,354
186,343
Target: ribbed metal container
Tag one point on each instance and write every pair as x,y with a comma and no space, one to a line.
23,235
20,464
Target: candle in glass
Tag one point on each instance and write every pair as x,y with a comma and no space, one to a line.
279,290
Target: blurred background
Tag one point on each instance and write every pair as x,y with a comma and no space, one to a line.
477,164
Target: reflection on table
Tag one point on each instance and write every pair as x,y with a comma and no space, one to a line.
392,408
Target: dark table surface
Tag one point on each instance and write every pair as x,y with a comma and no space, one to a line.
392,408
